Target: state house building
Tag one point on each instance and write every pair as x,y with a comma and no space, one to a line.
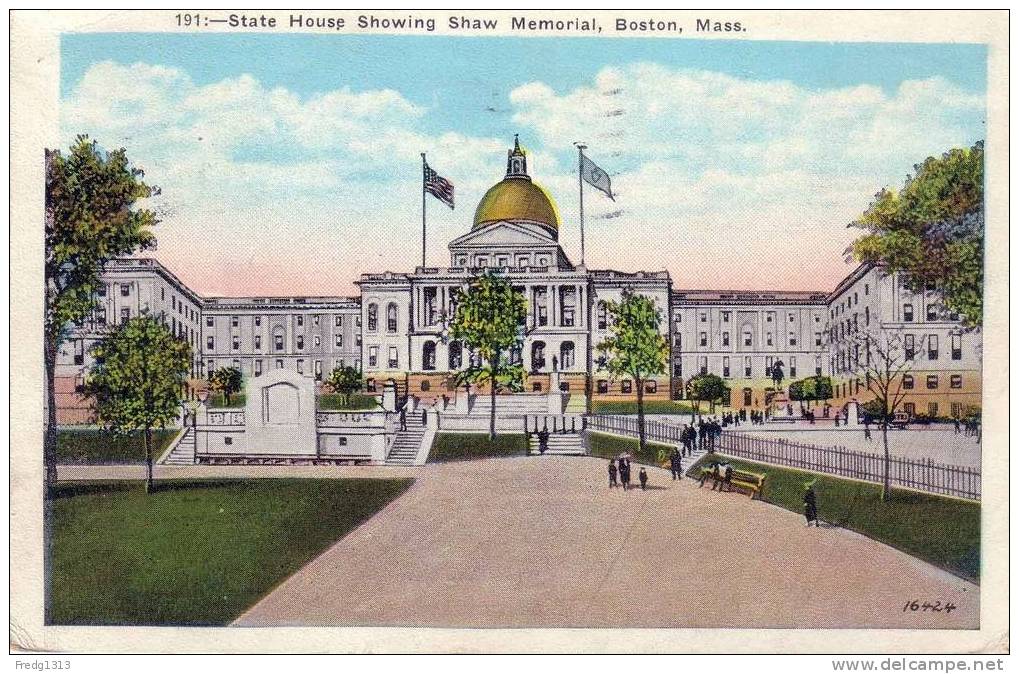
397,329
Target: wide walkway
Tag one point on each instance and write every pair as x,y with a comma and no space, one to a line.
542,542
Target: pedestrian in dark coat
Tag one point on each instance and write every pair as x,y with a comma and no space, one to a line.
810,505
612,473
403,418
676,464
643,478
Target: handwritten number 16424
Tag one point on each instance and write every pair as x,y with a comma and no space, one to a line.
914,605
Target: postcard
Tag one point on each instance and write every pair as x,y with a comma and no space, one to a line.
514,331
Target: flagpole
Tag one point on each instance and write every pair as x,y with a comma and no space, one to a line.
424,201
580,181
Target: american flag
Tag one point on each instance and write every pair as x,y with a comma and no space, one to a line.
438,187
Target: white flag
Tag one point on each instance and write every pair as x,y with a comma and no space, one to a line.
595,176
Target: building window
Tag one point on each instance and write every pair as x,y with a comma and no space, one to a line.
932,347
909,347
792,339
769,340
235,343
317,340
566,355
770,317
678,342
101,316
792,318
603,386
455,356
792,366
125,290
767,365
394,359
228,440
907,312
817,366
725,366
747,367
258,367
258,321
932,410
932,381
428,356
373,317
725,316
338,321
210,342
702,364
956,410
234,321
209,321
932,312
277,341
373,356
956,347
704,317
748,339
956,381
300,366
391,317
279,364
212,366
569,306
817,339
369,385
125,315
677,369
79,352
651,386
704,339
315,320
603,318
300,321
432,305
102,291
258,342
626,386
725,339
300,342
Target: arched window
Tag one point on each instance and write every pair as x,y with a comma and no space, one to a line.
373,317
391,317
428,356
455,355
537,356
566,359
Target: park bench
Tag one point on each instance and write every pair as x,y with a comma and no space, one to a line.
752,483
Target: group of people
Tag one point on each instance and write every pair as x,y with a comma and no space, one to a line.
721,476
622,471
970,427
703,435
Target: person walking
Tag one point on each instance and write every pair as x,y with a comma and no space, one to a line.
866,429
403,418
676,464
612,473
956,422
810,504
624,473
642,475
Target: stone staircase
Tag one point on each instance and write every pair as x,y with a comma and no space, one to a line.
406,446
577,404
568,444
183,453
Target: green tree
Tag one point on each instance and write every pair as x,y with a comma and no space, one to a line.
932,230
488,320
226,380
345,380
811,389
90,219
139,379
707,387
635,346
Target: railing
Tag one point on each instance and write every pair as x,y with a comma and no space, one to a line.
225,419
920,474
348,419
554,423
660,431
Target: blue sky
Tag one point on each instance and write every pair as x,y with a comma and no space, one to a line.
773,137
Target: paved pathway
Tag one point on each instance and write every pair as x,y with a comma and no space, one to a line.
542,542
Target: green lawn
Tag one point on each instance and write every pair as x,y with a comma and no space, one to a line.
467,446
608,446
94,445
218,400
650,407
942,531
194,552
334,401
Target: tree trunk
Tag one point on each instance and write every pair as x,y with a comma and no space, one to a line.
148,461
886,486
640,417
491,382
50,439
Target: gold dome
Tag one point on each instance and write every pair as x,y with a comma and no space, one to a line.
516,199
